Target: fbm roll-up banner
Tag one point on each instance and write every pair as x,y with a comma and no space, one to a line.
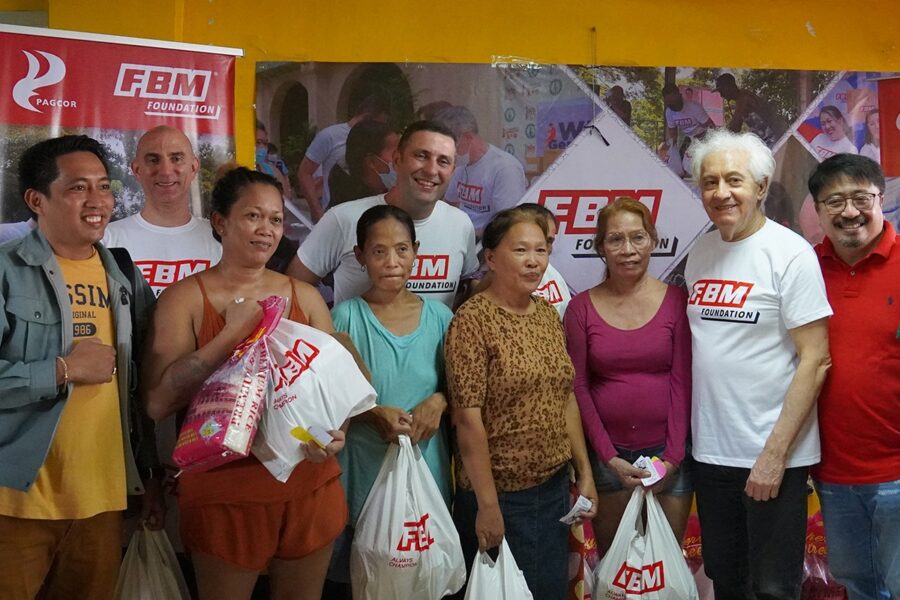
114,89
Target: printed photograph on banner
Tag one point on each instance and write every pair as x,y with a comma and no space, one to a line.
839,120
114,92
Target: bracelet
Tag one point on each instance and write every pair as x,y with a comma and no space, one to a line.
65,368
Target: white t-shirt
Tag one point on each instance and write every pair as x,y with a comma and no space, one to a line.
690,120
554,290
327,149
165,255
446,251
497,181
872,151
744,297
825,147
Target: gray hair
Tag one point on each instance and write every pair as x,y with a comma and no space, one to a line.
761,163
457,119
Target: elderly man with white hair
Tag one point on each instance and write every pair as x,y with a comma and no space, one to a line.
758,313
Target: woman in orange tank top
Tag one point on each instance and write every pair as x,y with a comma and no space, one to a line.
237,520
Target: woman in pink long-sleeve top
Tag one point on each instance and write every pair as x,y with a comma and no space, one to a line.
629,340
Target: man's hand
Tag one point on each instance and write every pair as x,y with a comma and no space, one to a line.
91,361
426,417
153,504
765,476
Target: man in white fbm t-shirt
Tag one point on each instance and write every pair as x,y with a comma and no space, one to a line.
487,179
165,241
687,117
758,315
424,163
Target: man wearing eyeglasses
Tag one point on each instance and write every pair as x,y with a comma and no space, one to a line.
858,479
758,314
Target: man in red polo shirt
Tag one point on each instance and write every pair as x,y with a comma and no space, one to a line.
858,479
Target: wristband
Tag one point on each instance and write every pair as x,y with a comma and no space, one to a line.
65,369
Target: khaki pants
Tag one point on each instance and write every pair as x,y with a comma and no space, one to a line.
65,559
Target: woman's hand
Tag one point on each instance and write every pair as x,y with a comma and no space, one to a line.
489,527
664,483
588,489
628,474
390,422
426,417
315,453
241,318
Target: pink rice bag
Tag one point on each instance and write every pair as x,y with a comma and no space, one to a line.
222,416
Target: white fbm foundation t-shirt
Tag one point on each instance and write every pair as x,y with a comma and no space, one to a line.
744,297
554,290
446,251
494,183
165,255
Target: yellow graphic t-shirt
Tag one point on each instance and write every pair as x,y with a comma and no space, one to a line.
84,473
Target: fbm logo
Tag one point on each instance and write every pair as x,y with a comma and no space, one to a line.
161,274
550,292
162,83
298,360
431,267
576,210
415,536
648,578
723,300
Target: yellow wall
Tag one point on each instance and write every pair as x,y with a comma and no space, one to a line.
792,34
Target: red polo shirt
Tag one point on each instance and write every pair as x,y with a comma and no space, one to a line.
859,407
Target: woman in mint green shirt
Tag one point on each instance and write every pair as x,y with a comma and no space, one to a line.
400,337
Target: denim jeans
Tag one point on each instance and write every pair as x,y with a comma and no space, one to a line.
752,550
538,541
862,531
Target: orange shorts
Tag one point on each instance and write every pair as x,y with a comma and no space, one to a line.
250,535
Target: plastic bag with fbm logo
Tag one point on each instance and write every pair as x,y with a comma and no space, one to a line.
406,545
644,561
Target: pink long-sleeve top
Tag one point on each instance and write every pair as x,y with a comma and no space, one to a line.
633,386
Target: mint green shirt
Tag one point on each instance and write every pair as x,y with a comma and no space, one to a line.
405,370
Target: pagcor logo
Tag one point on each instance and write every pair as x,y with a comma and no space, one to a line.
171,91
39,77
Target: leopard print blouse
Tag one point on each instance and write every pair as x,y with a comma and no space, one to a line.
516,370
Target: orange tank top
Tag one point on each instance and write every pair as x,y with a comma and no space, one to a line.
247,480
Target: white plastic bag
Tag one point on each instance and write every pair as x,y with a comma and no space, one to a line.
406,545
500,580
314,381
644,563
150,570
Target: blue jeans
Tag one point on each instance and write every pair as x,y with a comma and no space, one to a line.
752,550
538,541
862,531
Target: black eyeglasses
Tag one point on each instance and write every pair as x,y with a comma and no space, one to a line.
861,201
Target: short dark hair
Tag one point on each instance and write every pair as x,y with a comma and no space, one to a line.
38,168
373,104
365,138
670,88
230,185
418,126
539,210
380,213
504,220
854,167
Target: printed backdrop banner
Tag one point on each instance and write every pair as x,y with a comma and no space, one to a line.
603,163
113,89
889,100
78,83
